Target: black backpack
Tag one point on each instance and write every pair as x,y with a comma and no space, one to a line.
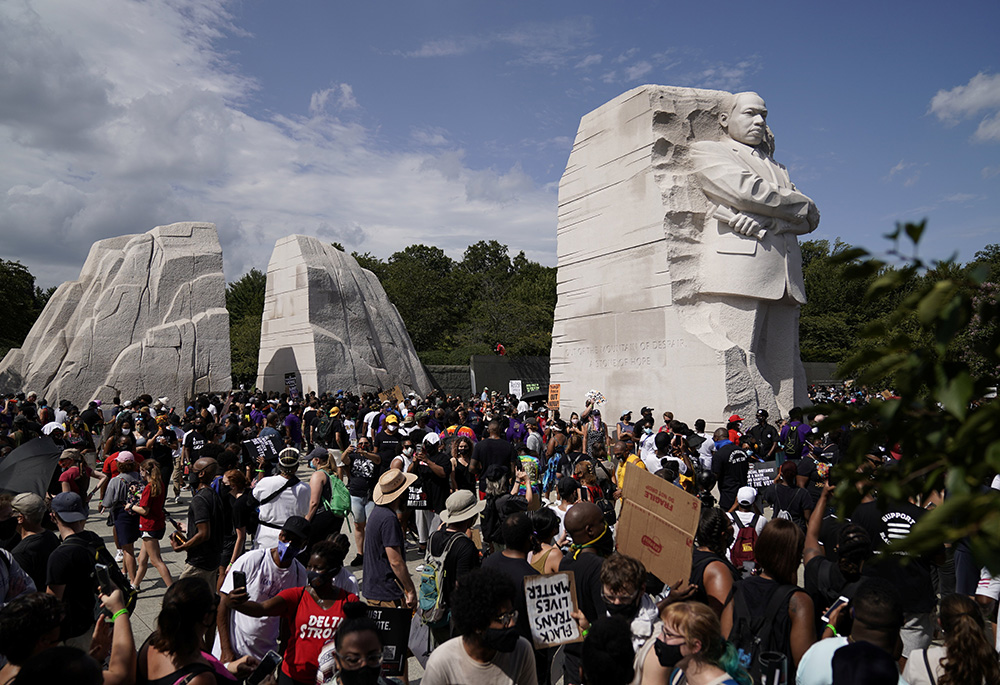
99,554
324,429
793,443
754,634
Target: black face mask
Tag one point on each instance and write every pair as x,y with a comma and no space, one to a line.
366,675
626,611
667,655
501,639
194,479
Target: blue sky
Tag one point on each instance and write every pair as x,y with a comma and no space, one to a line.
384,124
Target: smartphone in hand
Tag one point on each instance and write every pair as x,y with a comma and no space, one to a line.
239,580
833,607
264,668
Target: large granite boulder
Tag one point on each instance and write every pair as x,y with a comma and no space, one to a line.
661,303
328,325
147,315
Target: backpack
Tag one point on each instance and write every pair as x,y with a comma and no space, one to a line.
793,443
99,554
339,501
752,635
324,429
430,594
781,512
743,547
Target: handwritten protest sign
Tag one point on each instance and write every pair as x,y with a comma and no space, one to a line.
762,474
395,395
515,388
292,384
551,599
267,448
554,392
658,523
394,624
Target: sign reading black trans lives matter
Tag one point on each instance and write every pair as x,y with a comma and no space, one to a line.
551,601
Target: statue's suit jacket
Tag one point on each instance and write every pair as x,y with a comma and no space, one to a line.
736,176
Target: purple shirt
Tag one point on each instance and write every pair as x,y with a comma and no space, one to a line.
294,426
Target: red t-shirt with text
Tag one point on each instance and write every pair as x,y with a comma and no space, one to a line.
310,627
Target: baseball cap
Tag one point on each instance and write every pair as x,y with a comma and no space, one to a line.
125,455
297,526
51,427
432,438
735,417
746,495
391,418
29,505
762,414
69,507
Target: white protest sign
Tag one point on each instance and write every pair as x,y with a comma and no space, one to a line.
551,599
514,388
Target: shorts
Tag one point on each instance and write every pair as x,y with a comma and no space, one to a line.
989,585
127,527
917,632
361,507
153,534
210,576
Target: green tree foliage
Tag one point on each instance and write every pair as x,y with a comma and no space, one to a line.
23,303
245,302
948,436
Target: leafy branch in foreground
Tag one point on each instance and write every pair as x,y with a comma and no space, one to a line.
940,423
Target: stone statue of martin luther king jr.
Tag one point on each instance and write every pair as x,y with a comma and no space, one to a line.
750,278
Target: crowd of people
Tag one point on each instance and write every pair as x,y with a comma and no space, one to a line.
486,491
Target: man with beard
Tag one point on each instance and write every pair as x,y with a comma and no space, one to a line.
593,540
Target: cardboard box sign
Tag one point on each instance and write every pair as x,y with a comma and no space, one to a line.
657,525
551,600
554,392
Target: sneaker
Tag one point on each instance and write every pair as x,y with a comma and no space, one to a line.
177,499
120,556
358,560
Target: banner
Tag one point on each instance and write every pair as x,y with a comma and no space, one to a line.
551,601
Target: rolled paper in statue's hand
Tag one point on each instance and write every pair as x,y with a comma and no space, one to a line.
726,215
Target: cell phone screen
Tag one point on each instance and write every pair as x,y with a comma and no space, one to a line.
239,580
833,607
264,668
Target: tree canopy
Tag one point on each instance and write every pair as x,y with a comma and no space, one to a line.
24,303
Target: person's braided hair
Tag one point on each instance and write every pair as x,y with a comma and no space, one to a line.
712,530
854,547
971,657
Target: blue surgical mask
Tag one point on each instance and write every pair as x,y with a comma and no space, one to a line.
287,552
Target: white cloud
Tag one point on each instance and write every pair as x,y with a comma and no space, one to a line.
637,70
589,61
128,117
981,93
910,170
990,171
723,76
902,165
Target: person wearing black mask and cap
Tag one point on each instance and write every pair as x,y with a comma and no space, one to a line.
593,540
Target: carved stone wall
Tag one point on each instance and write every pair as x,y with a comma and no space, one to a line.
329,322
147,315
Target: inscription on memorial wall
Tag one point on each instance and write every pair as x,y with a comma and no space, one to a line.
627,355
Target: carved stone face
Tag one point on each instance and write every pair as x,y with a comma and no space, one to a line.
746,122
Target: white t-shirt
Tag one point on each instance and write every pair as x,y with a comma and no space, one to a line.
647,452
294,501
265,579
915,672
450,664
369,420
816,666
705,451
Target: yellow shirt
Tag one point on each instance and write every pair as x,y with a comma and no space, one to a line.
620,471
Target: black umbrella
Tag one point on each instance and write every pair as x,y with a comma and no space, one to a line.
29,468
535,395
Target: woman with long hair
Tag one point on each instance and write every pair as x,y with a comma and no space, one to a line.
176,651
967,656
595,435
323,523
152,522
124,490
690,650
547,557
461,454
584,473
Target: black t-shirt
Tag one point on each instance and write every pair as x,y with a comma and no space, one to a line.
91,418
388,448
730,464
586,570
462,558
807,467
762,436
206,507
517,570
417,435
492,451
72,565
194,441
32,554
786,498
436,488
245,512
363,475
913,579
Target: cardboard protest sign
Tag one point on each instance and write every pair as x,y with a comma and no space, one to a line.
551,599
762,474
657,524
395,395
554,391
261,447
394,625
